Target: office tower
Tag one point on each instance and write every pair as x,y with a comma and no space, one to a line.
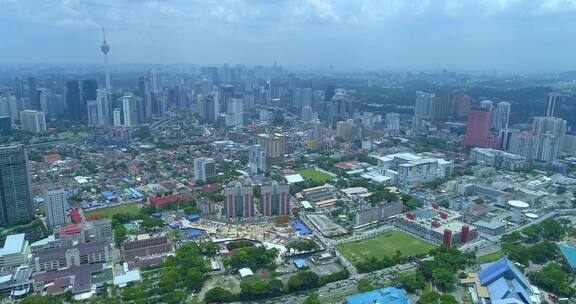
238,200
92,109
130,110
340,107
329,93
300,97
73,103
15,191
117,114
553,103
257,157
33,94
89,87
18,87
306,114
235,107
204,168
227,92
348,130
392,121
105,48
33,121
502,118
56,207
461,105
5,125
274,199
211,107
275,146
478,130
440,107
104,105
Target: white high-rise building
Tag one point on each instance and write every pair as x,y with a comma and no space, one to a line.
56,207
204,168
392,121
553,102
92,109
130,107
306,113
487,104
502,118
117,115
104,105
257,157
33,121
235,106
423,107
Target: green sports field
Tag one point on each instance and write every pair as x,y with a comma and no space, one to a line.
109,212
385,244
315,175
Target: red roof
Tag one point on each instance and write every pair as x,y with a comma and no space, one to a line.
50,158
70,229
96,216
210,187
75,215
160,201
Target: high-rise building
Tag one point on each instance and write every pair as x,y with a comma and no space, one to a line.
89,87
487,104
275,145
33,121
56,207
204,168
553,103
392,121
73,103
104,106
5,125
117,116
130,110
548,147
257,157
33,95
274,198
235,107
15,191
317,135
461,105
478,130
339,108
423,106
301,97
506,136
92,108
238,200
348,130
549,131
440,108
306,114
210,107
502,118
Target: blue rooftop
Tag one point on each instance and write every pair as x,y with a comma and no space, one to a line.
301,263
569,253
389,295
505,281
13,244
302,229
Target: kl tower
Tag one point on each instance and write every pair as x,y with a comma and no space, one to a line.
105,48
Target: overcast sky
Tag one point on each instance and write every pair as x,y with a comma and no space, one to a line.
482,35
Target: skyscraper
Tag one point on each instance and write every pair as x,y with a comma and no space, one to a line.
92,108
502,118
130,110
210,107
73,100
423,106
257,157
235,107
238,200
478,130
15,192
104,105
553,102
56,207
33,121
33,94
89,87
274,198
117,116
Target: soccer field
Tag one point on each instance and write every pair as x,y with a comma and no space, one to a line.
109,212
385,244
314,175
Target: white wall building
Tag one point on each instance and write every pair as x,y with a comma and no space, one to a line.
56,207
33,121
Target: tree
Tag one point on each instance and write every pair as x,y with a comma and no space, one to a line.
432,297
444,278
303,280
194,279
553,279
119,234
175,297
218,295
552,230
365,286
312,299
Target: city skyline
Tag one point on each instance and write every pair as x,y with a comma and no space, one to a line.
476,36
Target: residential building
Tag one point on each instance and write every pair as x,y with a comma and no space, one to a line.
553,104
56,207
238,200
348,130
411,170
275,145
478,130
92,109
204,168
104,107
274,198
502,118
15,190
130,110
33,121
392,121
497,158
257,157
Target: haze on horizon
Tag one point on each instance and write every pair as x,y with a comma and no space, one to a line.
503,35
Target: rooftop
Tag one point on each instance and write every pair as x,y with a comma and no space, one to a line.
389,295
13,244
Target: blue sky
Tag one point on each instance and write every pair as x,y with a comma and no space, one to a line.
506,35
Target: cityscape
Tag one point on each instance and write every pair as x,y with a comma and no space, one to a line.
201,182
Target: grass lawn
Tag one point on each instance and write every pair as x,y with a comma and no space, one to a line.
109,212
384,245
489,257
315,175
